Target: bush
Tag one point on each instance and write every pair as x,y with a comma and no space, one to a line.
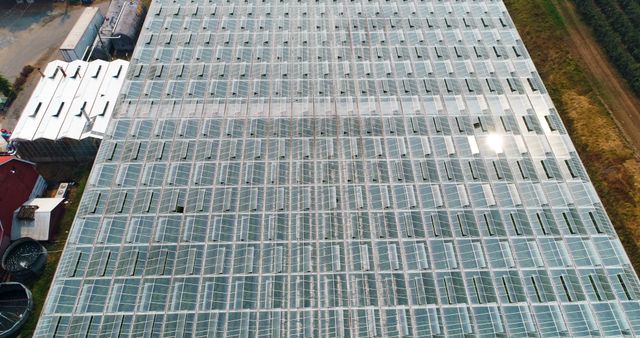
7,89
22,78
27,70
19,82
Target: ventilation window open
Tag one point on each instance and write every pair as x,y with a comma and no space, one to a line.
159,71
94,207
138,70
77,72
57,113
35,112
595,223
569,223
572,170
83,109
624,287
97,72
117,75
104,110
488,220
111,151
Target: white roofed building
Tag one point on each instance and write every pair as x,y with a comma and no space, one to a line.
68,112
37,218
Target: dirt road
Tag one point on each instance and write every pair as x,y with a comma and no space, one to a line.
623,105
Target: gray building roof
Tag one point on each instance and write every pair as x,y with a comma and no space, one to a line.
33,219
334,169
81,27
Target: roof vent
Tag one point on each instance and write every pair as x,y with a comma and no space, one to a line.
27,212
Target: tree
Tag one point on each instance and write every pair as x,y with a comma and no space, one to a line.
6,88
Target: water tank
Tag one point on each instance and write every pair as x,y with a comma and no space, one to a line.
24,259
16,305
128,26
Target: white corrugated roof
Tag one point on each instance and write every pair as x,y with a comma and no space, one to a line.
106,98
76,121
39,102
61,101
79,28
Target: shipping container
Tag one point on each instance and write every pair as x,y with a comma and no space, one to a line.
79,41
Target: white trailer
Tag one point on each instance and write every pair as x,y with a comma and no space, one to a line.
82,35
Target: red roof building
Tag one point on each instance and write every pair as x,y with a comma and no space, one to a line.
19,182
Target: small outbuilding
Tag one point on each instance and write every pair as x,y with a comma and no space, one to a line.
20,182
37,219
